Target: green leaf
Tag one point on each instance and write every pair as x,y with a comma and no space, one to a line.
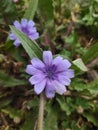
17,54
31,47
51,118
93,87
46,9
91,53
33,103
79,63
30,120
90,88
82,102
78,85
8,8
29,14
8,81
74,126
66,105
62,103
5,102
12,112
91,117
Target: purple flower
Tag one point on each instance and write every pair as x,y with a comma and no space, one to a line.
28,27
51,75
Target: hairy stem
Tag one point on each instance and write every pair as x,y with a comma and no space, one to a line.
41,112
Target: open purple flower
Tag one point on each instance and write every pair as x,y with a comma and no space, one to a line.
51,75
28,27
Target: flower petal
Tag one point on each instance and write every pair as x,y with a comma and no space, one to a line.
62,65
64,80
37,63
67,63
17,43
31,70
68,73
17,24
12,36
36,78
32,30
59,87
23,23
47,57
50,90
31,23
38,88
34,36
57,60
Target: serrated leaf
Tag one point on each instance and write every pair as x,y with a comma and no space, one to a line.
29,14
31,47
91,53
8,81
79,63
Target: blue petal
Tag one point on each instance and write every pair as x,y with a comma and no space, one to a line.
34,36
12,36
32,70
47,57
36,78
32,30
17,25
37,63
17,43
62,65
31,23
64,80
57,60
24,23
59,88
67,63
38,88
68,73
50,90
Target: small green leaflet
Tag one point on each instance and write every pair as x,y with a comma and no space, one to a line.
79,63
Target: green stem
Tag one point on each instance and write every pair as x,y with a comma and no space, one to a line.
41,112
